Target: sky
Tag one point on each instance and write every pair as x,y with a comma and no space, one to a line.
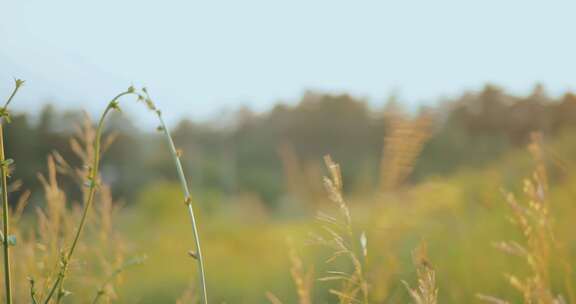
200,57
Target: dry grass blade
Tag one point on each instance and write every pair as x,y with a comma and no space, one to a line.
337,234
302,279
426,292
189,295
534,221
403,143
491,299
40,248
272,298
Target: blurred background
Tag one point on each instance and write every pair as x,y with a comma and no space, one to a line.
427,106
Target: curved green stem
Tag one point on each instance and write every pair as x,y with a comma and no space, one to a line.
188,200
92,180
187,196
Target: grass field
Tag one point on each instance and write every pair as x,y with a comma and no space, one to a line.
460,218
502,233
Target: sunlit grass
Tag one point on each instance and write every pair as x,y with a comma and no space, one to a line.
363,251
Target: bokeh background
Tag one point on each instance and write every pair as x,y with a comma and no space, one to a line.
427,106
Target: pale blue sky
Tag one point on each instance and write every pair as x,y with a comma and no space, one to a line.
198,57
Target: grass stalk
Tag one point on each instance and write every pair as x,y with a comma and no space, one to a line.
426,292
102,289
5,206
92,185
187,196
32,290
339,236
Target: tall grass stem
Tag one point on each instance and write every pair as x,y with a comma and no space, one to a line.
5,206
92,184
187,196
182,177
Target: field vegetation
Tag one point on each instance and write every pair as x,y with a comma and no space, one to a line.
326,201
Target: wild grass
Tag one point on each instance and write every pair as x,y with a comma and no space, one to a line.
302,278
404,140
339,235
92,184
55,222
540,246
56,250
40,250
427,291
42,259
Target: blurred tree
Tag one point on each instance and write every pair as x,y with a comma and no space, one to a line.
249,152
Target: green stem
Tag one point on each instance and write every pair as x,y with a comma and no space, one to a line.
92,179
5,220
19,84
188,200
33,291
99,294
5,205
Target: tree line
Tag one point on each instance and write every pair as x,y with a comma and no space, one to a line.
256,152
